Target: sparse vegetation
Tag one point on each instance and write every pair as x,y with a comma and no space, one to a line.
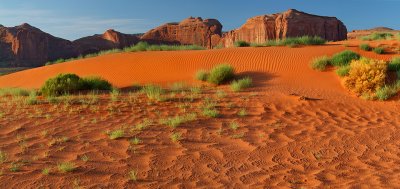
344,58
387,91
14,92
241,44
221,73
377,36
116,134
343,71
46,171
242,113
176,137
320,63
234,125
365,47
141,46
3,157
153,92
379,50
133,174
201,75
178,120
66,167
239,85
394,64
294,41
95,83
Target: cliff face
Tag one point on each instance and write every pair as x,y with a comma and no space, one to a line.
291,23
25,45
206,33
111,39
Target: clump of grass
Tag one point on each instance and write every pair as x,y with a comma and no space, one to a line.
343,71
365,47
66,167
344,58
387,91
3,157
320,63
135,141
220,94
116,134
202,75
133,174
176,137
15,167
241,44
221,73
14,92
153,92
114,94
46,171
234,125
32,99
211,112
379,50
242,113
394,64
85,158
178,120
95,83
295,41
239,85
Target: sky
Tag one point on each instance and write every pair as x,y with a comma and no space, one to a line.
73,19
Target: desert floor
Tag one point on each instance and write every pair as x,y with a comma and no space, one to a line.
300,129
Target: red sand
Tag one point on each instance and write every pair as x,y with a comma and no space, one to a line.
331,140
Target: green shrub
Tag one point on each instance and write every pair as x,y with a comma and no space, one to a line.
241,44
320,63
116,134
394,64
239,85
95,83
387,91
379,50
365,47
343,71
294,41
344,58
221,73
61,84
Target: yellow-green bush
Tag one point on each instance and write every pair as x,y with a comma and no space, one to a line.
366,76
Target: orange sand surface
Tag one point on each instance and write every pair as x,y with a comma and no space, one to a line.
330,139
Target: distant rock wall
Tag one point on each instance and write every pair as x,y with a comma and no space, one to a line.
206,33
291,23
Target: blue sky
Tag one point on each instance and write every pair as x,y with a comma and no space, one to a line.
72,19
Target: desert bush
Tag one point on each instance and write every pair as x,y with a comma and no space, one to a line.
379,50
294,41
320,63
239,85
394,64
95,83
365,47
66,167
61,84
221,73
344,58
387,91
202,75
366,76
241,44
343,71
116,134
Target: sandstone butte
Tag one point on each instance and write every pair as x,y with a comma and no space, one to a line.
291,23
196,31
27,46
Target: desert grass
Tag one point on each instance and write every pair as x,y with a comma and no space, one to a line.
221,73
153,92
343,71
116,134
202,75
344,58
379,50
133,175
241,44
66,167
377,36
241,84
394,64
320,63
387,91
139,47
176,137
293,41
365,47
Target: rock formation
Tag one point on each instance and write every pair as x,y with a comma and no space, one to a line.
291,23
206,33
28,46
111,39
